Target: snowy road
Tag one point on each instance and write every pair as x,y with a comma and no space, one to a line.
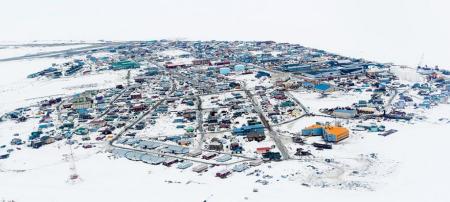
283,150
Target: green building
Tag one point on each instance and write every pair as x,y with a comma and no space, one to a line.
125,64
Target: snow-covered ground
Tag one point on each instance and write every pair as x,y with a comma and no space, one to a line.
16,90
165,126
410,165
315,101
173,53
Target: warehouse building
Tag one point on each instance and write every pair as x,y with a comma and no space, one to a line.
313,130
335,133
328,133
251,129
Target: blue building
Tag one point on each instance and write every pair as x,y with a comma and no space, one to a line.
162,109
246,130
307,84
76,66
425,104
239,68
352,69
152,71
314,130
268,60
246,58
295,67
50,70
260,74
224,70
322,87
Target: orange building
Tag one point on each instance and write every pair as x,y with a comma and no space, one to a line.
329,133
335,133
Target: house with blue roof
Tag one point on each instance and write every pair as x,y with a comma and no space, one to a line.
152,159
307,84
323,87
245,130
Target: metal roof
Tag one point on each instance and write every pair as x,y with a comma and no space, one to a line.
134,155
176,149
223,158
240,167
119,152
131,141
152,159
144,144
185,165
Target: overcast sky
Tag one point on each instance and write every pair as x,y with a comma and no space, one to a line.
397,31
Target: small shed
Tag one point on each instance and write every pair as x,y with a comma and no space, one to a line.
223,173
208,156
189,129
168,162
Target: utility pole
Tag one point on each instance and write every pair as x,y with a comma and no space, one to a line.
74,177
128,77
